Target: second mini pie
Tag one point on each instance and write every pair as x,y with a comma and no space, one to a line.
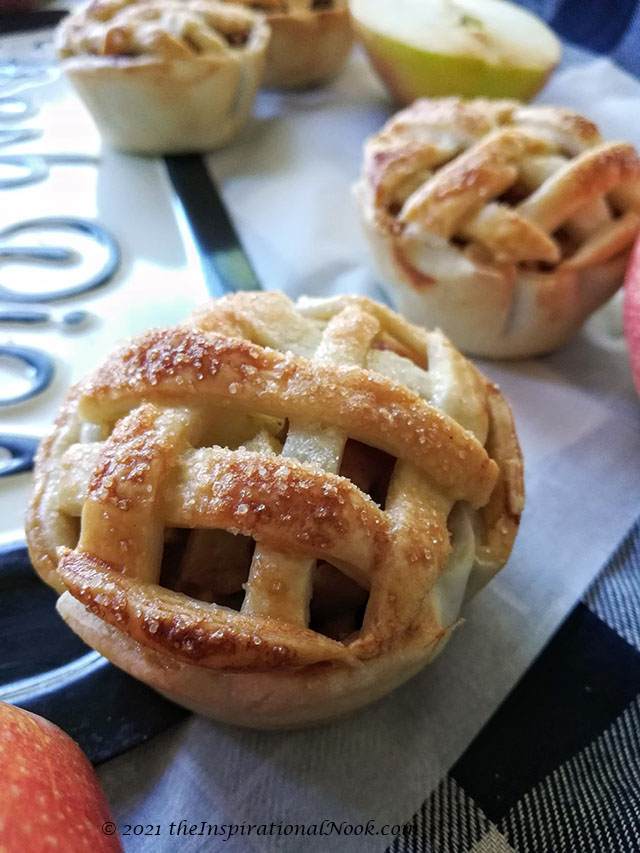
310,40
505,225
162,76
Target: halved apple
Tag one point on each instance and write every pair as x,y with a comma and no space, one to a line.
472,48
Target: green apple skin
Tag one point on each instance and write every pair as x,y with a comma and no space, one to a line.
409,73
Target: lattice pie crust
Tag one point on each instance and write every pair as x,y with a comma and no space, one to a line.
274,512
162,76
504,225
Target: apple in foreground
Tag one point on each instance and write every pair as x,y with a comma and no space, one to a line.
472,48
50,797
632,312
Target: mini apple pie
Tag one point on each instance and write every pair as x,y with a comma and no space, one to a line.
274,512
310,40
505,225
162,76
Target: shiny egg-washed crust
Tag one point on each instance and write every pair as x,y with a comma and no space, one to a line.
137,450
310,41
505,225
163,76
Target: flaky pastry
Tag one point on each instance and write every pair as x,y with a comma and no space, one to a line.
163,76
274,512
310,40
504,225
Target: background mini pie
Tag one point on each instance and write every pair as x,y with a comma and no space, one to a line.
163,76
310,40
504,225
274,512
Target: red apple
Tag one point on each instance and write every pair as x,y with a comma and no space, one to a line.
632,312
50,797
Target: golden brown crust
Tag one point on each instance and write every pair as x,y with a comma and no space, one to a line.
189,630
168,366
501,514
225,489
210,428
265,700
483,216
163,29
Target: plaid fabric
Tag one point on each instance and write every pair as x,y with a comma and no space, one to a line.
557,768
603,26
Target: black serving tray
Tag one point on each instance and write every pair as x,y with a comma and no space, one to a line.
47,669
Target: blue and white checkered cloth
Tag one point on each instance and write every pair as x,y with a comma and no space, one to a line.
602,26
557,767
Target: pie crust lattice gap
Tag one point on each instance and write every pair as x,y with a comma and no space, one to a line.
237,421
